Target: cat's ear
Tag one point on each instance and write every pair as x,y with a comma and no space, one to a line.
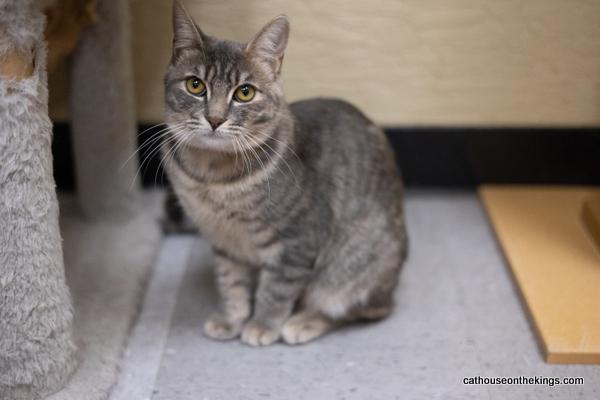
268,46
186,34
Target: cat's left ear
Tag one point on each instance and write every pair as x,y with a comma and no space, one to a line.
268,46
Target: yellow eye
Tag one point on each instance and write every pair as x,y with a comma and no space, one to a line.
195,86
244,93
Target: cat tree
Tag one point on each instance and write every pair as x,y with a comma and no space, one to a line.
110,235
36,347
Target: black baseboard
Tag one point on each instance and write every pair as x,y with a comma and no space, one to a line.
467,157
439,157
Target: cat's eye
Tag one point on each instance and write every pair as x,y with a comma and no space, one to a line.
244,93
195,86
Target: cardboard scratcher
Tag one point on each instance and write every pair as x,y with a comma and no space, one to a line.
550,238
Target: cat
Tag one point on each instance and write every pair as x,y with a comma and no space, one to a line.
302,203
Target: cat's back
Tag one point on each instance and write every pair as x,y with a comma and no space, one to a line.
335,131
349,156
324,114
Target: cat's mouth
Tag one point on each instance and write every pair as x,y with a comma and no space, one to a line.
207,139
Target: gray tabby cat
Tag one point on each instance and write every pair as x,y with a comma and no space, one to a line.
301,202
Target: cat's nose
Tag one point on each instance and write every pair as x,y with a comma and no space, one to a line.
215,121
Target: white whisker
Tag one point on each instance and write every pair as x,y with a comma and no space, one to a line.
148,143
154,151
257,156
280,156
170,155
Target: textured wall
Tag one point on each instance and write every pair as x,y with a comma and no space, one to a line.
482,62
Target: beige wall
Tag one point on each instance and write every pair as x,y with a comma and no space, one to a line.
435,62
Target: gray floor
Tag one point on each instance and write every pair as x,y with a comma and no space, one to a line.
458,315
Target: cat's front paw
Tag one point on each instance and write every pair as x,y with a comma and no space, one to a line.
217,327
259,334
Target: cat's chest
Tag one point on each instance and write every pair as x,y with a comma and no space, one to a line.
227,223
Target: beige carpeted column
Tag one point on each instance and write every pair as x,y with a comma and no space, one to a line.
103,114
110,250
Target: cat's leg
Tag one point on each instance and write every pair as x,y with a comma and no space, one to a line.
234,283
276,296
379,306
307,325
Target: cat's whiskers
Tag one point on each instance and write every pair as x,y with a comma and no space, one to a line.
285,116
156,150
150,128
163,155
244,185
245,158
143,161
171,136
236,146
245,145
170,154
245,168
287,146
150,141
255,144
265,137
242,146
280,156
257,156
157,137
235,161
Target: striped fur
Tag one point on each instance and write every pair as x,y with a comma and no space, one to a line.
302,203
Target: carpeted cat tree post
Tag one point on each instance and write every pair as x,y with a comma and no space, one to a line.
103,114
110,230
36,349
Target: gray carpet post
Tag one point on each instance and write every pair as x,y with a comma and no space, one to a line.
111,233
36,348
103,113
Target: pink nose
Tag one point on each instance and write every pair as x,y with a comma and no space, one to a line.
215,121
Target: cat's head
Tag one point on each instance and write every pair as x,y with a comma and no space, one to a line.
218,92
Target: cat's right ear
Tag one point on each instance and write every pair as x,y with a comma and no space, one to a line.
186,34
